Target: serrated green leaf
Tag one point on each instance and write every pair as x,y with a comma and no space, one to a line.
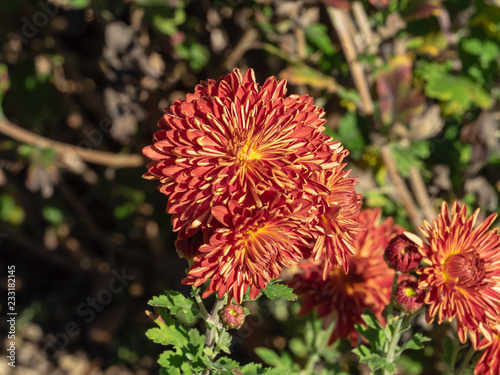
268,356
170,332
274,290
281,361
371,319
409,156
415,342
176,303
171,361
459,93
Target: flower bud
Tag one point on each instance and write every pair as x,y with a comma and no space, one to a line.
408,297
401,254
188,248
232,316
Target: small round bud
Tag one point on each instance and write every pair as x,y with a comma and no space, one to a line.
408,297
232,316
401,254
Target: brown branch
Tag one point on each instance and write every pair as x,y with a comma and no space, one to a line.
340,21
108,159
400,187
363,23
420,192
244,44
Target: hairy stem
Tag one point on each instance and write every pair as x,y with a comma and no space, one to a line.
311,363
465,361
394,342
393,292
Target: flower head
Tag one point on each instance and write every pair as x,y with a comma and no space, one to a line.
254,184
408,297
233,140
367,285
250,247
401,254
462,274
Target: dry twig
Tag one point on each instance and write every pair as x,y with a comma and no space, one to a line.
400,187
340,21
108,159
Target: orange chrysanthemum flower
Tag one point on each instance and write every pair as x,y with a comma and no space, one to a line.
367,285
251,247
463,273
489,362
234,140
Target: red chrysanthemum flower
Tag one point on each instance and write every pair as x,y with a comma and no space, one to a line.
233,140
463,272
489,361
367,285
251,247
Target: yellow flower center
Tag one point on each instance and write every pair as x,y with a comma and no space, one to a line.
247,152
466,269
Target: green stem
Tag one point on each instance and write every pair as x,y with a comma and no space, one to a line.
454,354
311,363
213,318
393,293
199,301
465,361
394,342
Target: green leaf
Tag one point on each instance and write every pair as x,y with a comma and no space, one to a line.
449,347
350,135
53,215
486,51
279,361
171,361
268,356
408,156
416,342
176,303
170,332
274,290
79,4
164,25
459,93
317,35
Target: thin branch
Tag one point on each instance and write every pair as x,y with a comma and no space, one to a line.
420,192
244,44
363,23
340,21
400,186
108,159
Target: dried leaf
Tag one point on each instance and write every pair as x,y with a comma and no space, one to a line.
303,75
418,9
398,100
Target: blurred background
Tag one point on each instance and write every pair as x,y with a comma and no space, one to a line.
411,88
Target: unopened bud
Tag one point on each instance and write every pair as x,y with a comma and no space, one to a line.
409,298
232,316
188,248
401,254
